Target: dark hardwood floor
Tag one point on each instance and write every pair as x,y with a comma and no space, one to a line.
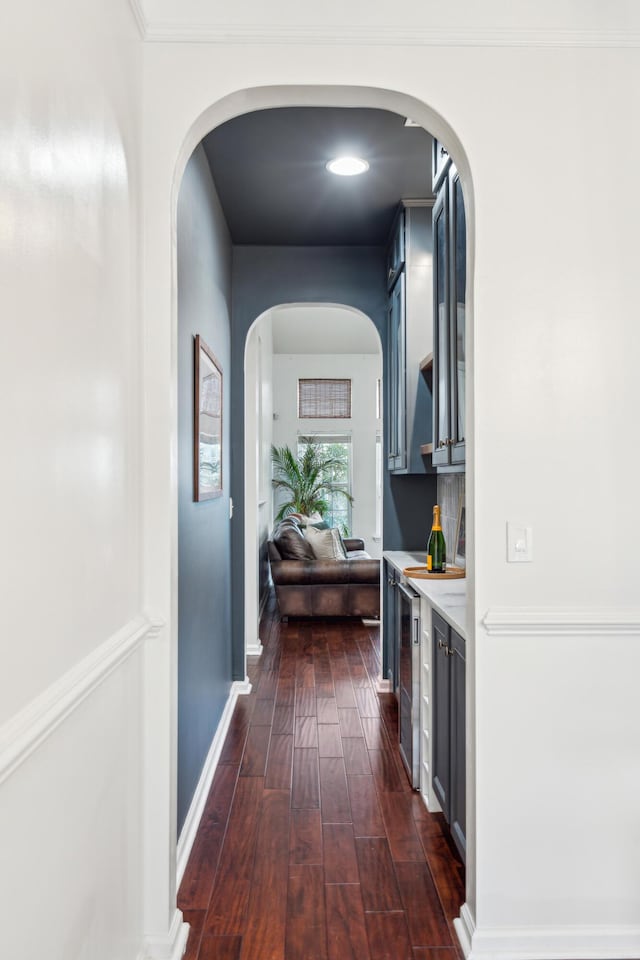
312,845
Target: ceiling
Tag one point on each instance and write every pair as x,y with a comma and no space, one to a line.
323,329
269,168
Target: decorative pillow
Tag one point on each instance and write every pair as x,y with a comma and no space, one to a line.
290,541
326,544
314,520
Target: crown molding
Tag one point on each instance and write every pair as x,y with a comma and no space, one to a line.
29,728
322,34
546,622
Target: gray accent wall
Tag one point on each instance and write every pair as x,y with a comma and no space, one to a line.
264,277
204,536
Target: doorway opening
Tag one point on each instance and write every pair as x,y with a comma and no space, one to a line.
266,292
287,345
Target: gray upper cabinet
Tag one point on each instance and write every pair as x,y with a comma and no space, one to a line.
440,163
395,251
449,295
409,338
396,377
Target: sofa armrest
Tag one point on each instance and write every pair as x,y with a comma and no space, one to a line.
353,543
310,572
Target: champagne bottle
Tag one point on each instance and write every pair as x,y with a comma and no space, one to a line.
436,550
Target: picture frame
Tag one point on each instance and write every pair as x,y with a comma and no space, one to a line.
460,552
207,423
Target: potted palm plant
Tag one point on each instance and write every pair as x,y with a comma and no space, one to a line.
308,478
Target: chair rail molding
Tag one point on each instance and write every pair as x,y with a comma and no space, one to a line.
561,621
23,733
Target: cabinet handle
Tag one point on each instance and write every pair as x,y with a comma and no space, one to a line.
391,582
443,152
442,443
449,442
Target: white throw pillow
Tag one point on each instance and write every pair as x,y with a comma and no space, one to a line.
304,521
326,544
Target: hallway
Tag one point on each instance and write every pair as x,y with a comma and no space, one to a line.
312,845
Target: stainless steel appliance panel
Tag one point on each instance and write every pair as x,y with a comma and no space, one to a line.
408,660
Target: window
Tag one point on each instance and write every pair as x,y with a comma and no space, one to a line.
321,399
338,513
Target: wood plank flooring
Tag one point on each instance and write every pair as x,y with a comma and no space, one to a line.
312,845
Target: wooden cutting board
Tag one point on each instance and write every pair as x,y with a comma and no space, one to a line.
421,573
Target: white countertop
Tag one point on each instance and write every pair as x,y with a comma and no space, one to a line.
447,597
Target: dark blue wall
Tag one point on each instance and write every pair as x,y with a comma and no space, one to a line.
264,277
204,538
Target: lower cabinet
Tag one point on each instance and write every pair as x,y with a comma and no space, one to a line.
449,751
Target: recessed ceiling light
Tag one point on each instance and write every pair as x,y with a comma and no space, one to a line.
347,166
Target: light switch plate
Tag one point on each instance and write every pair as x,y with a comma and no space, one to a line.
519,543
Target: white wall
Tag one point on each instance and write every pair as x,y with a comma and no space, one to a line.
258,368
70,567
363,370
265,386
555,351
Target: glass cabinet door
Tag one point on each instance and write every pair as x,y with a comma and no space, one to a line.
441,359
458,317
396,379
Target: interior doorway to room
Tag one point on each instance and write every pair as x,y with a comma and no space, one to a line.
301,232
302,343
292,245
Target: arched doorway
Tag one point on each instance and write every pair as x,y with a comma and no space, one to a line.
160,719
343,331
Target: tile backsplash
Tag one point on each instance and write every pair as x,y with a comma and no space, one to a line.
450,489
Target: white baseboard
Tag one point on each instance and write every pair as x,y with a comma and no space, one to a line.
384,686
464,926
254,649
196,808
27,730
554,943
170,947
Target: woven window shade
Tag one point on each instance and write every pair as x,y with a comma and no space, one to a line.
323,399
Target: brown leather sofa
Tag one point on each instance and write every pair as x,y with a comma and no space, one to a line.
307,587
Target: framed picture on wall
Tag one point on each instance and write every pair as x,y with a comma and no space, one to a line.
207,423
